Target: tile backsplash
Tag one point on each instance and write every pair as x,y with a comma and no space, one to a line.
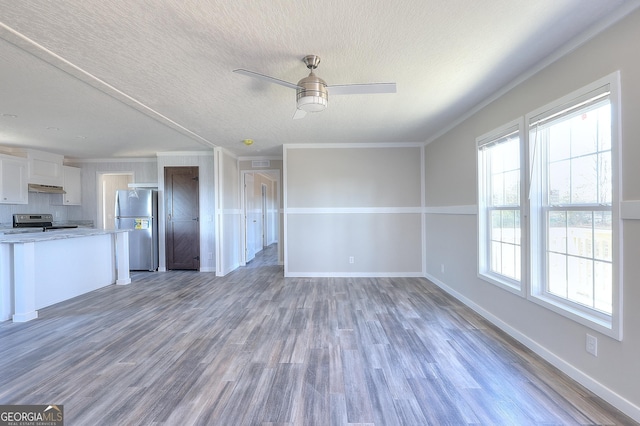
40,203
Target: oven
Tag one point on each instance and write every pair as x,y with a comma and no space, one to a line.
37,222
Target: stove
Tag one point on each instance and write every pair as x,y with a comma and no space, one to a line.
35,221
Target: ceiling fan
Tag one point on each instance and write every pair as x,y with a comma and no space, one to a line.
312,92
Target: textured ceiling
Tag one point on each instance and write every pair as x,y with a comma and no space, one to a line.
98,79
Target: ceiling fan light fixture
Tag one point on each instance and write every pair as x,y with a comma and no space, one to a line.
312,103
312,91
312,95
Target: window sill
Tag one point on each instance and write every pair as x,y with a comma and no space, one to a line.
596,322
504,283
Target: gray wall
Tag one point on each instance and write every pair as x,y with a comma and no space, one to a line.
359,201
451,237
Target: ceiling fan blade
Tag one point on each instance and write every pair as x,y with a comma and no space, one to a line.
361,89
300,113
266,78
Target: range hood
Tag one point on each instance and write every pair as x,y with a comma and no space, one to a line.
48,189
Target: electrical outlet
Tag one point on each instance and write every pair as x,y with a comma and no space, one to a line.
442,268
592,345
351,259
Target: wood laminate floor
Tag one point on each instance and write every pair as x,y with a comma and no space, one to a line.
254,348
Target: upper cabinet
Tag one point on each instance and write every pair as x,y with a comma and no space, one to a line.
45,168
13,180
72,186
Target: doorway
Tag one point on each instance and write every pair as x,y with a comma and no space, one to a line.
182,222
265,216
260,205
108,184
251,224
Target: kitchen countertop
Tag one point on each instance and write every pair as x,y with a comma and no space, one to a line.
7,228
61,234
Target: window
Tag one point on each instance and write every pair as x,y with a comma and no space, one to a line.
548,220
500,206
573,214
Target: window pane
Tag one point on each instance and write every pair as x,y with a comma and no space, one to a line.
603,286
508,222
497,189
604,178
602,236
500,187
557,232
496,257
496,158
560,182
496,225
584,180
572,200
559,141
584,133
512,188
557,282
509,260
604,127
505,240
580,280
580,234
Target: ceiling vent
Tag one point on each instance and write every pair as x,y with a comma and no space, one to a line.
260,163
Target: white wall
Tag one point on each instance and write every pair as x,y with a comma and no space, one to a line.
144,170
356,201
451,230
228,212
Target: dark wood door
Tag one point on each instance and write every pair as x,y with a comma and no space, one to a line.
182,221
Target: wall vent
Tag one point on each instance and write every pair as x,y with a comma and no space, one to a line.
260,163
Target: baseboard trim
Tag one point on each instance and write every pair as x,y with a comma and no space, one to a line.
579,376
223,272
26,316
353,274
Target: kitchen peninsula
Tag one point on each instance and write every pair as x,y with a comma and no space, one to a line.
39,269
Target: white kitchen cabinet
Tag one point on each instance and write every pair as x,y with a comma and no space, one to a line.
13,180
45,168
72,185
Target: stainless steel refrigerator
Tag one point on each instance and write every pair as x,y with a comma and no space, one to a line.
137,210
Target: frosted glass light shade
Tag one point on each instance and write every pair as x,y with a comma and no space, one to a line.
312,103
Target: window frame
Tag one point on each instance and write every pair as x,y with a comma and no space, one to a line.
610,325
515,127
533,211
